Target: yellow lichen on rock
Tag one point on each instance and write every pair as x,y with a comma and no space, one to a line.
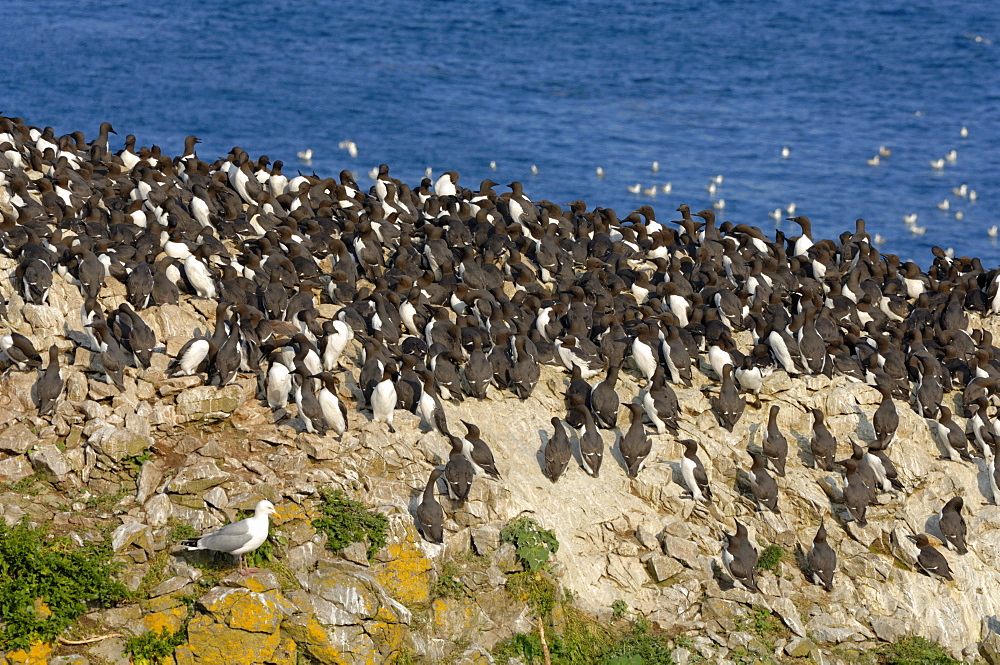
389,639
37,654
311,639
211,643
255,613
170,620
405,574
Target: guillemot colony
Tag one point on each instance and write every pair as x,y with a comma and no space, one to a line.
452,291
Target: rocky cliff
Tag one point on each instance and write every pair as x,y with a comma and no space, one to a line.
133,466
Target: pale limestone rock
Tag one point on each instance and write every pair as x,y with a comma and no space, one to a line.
198,476
49,460
13,469
17,439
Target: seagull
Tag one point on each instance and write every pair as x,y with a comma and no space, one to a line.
918,230
373,173
910,219
534,170
666,189
650,191
237,538
937,164
883,151
775,214
493,165
305,155
717,179
786,152
655,168
720,204
959,215
635,189
964,132
962,190
879,240
428,172
973,195
952,156
791,209
600,172
944,205
710,188
992,231
350,146
873,161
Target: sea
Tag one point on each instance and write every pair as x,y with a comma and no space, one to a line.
549,92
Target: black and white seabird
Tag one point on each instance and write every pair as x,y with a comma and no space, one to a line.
729,405
429,404
634,445
383,400
740,558
857,494
604,401
952,438
430,515
775,445
558,451
20,350
458,472
886,419
822,560
822,443
762,485
591,443
333,408
693,472
479,452
50,384
930,560
952,525
310,410
660,403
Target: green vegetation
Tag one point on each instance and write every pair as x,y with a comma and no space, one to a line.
619,609
533,544
770,558
915,650
182,531
535,589
585,642
154,648
763,624
345,521
22,486
133,464
448,585
104,502
46,583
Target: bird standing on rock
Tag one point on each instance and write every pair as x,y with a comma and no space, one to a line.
237,538
930,560
822,559
430,515
740,558
50,385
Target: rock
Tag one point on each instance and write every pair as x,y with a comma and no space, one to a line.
799,647
13,469
117,444
356,553
989,647
197,477
217,497
662,567
683,550
485,539
17,439
150,476
50,461
131,533
159,510
202,402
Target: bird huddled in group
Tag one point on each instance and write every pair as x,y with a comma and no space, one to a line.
451,294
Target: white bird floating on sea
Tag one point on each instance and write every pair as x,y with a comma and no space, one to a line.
650,191
910,219
944,205
350,146
534,170
305,155
600,172
786,152
428,172
973,195
775,214
959,215
237,538
717,179
493,165
964,132
655,168
667,188
937,164
879,240
874,161
884,151
952,156
710,188
992,231
918,230
635,189
373,173
720,204
790,209
962,190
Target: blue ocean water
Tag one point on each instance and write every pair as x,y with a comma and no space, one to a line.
704,87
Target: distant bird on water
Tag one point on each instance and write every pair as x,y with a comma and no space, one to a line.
786,152
305,155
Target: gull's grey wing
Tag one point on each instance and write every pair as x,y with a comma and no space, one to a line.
227,539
